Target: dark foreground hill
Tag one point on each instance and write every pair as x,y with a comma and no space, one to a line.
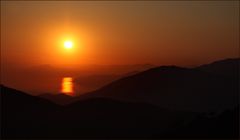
60,98
25,116
163,102
212,87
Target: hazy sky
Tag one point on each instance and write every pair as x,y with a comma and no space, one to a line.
185,33
119,32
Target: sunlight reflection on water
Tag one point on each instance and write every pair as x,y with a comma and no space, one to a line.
67,86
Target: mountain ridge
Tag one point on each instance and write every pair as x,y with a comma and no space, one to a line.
166,81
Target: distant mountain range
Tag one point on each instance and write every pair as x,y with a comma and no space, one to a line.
205,88
226,68
48,77
93,82
162,102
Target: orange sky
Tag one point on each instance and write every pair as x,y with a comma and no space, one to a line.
183,33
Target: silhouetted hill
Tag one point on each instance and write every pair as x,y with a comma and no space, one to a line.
21,112
60,99
95,118
33,117
178,88
228,68
18,100
162,102
224,125
87,83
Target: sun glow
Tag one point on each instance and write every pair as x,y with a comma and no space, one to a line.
68,44
67,86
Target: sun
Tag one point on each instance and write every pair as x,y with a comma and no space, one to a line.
68,44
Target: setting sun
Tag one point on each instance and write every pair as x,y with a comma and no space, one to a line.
68,44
